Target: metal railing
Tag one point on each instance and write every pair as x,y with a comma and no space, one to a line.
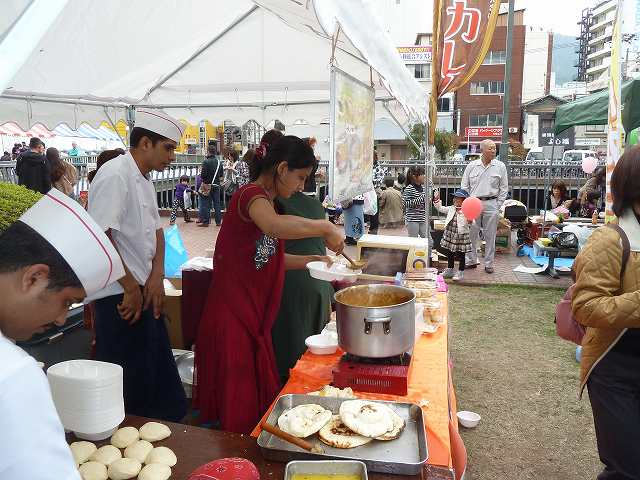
527,182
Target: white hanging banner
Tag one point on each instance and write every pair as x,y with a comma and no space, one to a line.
351,137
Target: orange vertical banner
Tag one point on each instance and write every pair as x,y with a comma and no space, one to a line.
462,34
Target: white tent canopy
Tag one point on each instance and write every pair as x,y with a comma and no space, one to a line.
216,60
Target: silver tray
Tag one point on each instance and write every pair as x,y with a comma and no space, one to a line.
403,456
326,467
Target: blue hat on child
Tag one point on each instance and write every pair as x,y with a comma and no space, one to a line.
461,193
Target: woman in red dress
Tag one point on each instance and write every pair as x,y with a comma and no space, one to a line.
236,372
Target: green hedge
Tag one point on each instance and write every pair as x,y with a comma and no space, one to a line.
14,201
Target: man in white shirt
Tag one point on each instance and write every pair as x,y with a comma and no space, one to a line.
130,328
52,254
486,179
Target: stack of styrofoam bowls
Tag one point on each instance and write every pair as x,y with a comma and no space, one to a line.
88,397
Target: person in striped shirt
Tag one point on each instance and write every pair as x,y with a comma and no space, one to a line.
414,199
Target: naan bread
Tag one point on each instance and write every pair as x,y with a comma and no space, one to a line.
369,419
138,450
155,471
304,420
331,391
93,471
124,469
106,455
124,437
337,434
163,456
398,427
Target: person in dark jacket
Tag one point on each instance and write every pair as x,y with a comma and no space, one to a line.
33,169
6,157
209,191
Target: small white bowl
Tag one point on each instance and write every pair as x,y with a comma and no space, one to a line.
321,344
468,419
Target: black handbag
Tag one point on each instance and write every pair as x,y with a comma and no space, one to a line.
567,240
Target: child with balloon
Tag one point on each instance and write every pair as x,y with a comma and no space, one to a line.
455,241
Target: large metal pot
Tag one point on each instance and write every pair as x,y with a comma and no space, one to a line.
375,321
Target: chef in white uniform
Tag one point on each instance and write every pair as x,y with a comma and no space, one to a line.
51,255
486,179
130,328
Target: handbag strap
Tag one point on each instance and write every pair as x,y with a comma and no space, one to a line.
626,246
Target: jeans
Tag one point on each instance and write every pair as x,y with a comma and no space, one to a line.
417,229
204,209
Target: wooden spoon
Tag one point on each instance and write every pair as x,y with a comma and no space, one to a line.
354,264
299,442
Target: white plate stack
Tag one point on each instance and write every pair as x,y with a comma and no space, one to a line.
88,397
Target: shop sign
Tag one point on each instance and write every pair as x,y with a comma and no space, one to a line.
483,132
416,54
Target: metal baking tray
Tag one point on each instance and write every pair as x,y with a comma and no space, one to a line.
326,467
403,456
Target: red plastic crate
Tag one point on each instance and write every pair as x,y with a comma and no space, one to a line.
389,379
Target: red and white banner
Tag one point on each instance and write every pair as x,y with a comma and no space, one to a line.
11,129
485,132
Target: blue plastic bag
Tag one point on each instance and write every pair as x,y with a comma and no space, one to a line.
175,255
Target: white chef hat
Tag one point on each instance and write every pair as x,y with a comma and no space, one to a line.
69,229
159,122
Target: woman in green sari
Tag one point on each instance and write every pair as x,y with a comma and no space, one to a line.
306,302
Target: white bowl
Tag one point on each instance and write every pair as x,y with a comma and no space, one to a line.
321,344
336,272
468,419
96,437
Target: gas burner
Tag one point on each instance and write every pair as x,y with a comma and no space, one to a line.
404,359
375,375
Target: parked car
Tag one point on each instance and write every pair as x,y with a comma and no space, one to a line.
577,156
536,155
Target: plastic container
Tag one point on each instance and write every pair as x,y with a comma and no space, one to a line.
336,272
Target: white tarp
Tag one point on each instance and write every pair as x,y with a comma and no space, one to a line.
217,60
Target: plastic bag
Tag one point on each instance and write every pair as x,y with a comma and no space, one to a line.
187,199
583,233
370,203
174,253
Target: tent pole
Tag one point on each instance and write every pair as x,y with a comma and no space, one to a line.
546,185
113,125
201,50
427,191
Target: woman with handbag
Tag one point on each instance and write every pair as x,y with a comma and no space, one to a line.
606,300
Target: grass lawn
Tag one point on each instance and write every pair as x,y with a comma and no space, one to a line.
512,369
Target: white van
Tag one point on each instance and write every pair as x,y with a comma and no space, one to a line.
535,155
576,156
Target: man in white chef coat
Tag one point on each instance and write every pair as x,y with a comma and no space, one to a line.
486,179
52,254
130,328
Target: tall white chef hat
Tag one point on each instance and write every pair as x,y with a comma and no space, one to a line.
68,228
159,122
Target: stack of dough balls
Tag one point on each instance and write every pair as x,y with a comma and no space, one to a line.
109,462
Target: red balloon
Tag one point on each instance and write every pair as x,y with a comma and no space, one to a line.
472,208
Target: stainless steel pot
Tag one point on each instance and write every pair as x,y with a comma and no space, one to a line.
375,321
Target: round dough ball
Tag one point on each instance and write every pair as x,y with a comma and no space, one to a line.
138,451
93,471
106,455
124,469
154,431
163,456
124,437
82,451
155,471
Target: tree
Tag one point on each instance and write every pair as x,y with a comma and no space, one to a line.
446,143
417,133
517,152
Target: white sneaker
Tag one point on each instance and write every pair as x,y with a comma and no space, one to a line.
458,276
448,273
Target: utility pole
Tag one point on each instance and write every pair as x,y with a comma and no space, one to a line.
506,100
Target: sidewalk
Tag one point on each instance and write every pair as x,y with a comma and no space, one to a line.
197,240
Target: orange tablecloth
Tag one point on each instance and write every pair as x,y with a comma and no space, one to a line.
429,386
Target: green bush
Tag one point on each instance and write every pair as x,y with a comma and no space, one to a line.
14,201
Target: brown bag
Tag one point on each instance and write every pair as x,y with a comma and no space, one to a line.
567,326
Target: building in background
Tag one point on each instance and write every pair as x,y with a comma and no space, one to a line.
480,100
594,49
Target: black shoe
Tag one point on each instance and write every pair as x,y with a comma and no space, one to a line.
350,241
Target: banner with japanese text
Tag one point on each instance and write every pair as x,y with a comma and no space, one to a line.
462,34
614,135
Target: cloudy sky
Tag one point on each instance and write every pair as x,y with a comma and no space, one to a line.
405,17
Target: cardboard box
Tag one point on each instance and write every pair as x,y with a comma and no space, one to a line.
173,312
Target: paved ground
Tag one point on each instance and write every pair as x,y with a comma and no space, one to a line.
197,240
